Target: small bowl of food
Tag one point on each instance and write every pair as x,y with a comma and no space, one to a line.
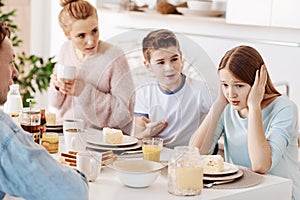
199,4
137,173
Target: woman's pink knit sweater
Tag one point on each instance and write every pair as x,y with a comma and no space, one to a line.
107,99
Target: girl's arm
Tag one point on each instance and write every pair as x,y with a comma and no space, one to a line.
258,146
204,135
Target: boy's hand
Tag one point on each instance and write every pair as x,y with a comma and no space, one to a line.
144,127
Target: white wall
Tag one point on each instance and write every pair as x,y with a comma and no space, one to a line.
57,36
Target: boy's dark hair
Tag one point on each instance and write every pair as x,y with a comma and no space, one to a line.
4,31
158,39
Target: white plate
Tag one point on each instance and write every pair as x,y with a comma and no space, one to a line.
55,128
98,140
115,149
59,123
223,178
208,13
228,169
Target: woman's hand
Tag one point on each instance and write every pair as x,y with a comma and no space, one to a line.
66,86
71,87
54,80
144,127
257,91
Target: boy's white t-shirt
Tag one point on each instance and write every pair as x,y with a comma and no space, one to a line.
184,109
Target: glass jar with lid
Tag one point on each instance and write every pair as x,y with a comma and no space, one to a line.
185,171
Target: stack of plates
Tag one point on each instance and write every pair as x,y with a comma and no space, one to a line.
58,127
230,172
96,142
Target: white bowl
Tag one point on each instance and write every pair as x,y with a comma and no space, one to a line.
137,173
220,5
199,5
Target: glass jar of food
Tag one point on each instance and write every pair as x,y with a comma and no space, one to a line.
185,171
50,142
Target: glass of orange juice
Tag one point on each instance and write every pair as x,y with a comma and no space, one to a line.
152,148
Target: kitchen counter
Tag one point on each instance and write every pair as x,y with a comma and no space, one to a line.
203,26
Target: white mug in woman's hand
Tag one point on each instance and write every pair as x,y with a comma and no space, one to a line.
66,72
89,163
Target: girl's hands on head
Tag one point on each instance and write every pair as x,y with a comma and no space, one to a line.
221,99
257,91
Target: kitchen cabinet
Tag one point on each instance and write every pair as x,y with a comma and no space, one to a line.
254,12
285,13
276,13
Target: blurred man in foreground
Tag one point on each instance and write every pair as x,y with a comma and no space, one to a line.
26,169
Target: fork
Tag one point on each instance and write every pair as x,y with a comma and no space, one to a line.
209,185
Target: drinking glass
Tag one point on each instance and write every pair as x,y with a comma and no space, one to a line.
152,148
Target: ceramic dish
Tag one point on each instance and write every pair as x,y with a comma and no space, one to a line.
54,129
137,173
99,140
223,178
115,149
207,13
228,169
199,5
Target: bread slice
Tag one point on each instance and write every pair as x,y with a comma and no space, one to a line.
213,164
112,136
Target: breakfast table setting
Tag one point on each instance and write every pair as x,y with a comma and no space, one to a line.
112,182
235,182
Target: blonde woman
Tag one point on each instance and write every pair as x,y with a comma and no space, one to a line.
102,92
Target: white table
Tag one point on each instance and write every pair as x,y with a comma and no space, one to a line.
108,187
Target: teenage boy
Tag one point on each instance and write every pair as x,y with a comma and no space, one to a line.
173,107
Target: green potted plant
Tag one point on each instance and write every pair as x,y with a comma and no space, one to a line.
34,71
